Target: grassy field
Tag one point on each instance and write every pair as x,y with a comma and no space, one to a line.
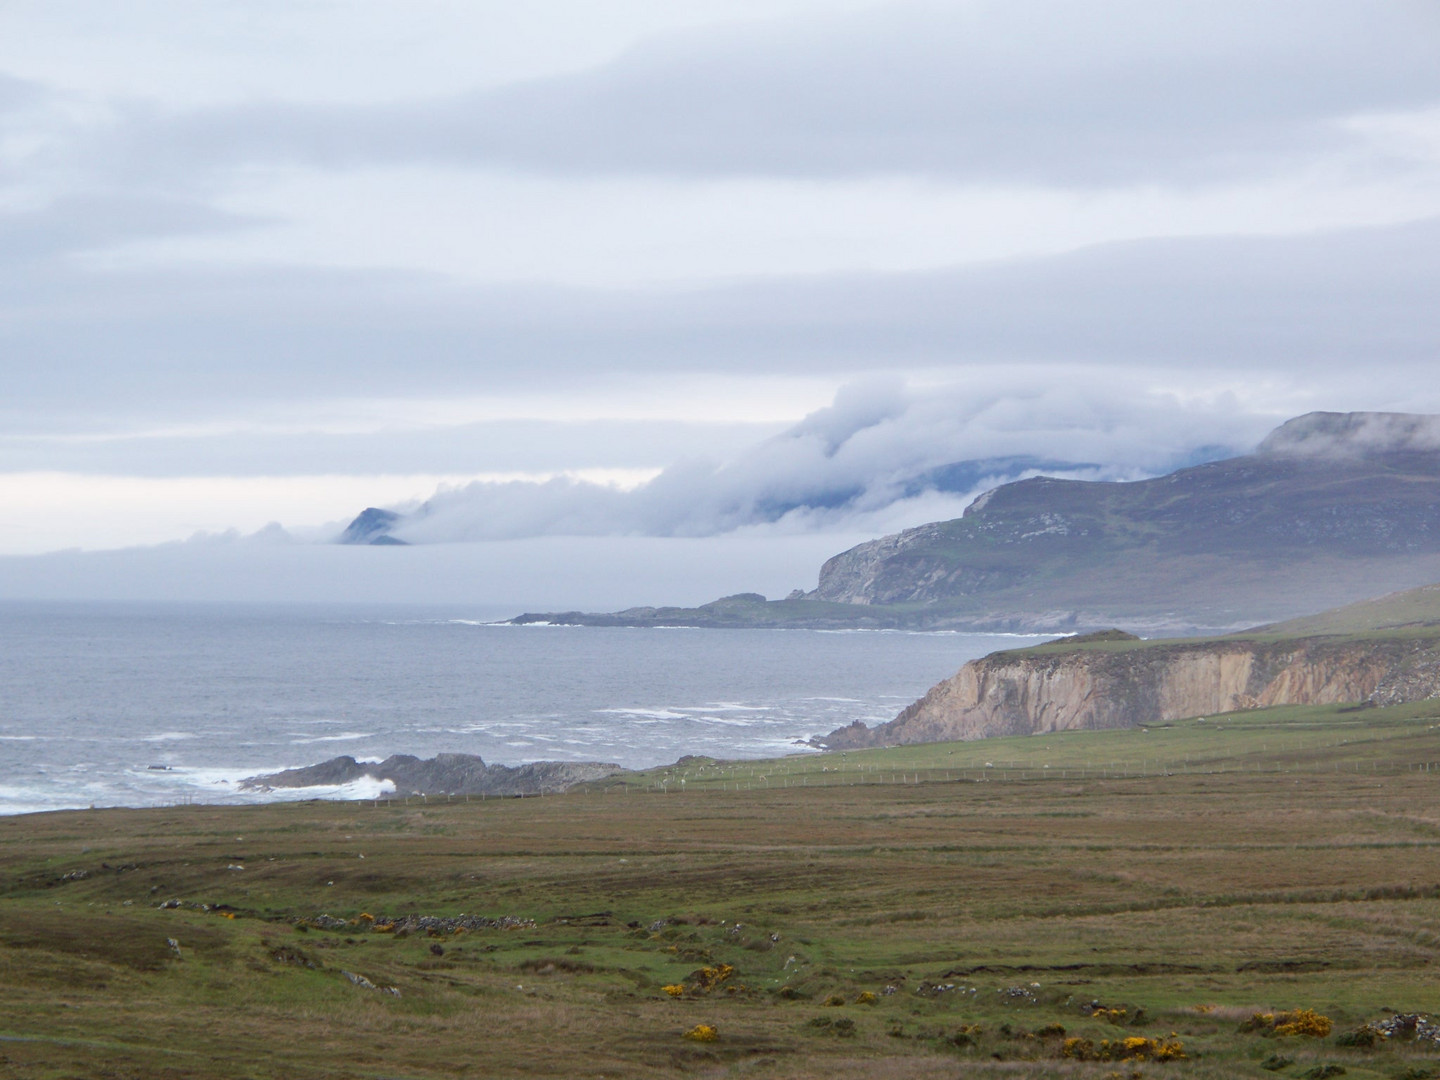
927,911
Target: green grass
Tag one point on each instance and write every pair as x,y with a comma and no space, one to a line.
1197,871
1410,608
1292,740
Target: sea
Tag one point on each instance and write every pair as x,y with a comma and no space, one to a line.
145,705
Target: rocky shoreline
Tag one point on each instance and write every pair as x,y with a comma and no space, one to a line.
444,774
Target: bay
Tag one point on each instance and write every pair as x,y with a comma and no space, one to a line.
136,705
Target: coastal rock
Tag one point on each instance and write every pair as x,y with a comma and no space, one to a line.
1120,681
444,774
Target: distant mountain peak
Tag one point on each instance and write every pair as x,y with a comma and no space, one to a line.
1354,434
371,526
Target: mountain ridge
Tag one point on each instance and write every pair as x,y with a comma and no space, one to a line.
1330,509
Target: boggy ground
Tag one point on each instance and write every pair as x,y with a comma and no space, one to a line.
1295,863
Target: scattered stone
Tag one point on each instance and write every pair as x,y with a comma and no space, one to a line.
174,946
365,984
287,955
1407,1026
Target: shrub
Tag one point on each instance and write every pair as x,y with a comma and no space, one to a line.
702,1033
1306,1022
707,978
674,989
1134,1048
835,999
1363,1038
1276,1062
1303,1022
967,1035
866,997
1323,1072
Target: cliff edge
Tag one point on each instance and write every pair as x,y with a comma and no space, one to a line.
1117,681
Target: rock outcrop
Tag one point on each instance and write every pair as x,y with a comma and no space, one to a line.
444,774
1116,683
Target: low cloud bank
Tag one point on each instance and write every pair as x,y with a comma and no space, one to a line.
882,456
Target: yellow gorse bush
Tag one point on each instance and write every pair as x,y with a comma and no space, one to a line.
702,1033
707,978
1306,1023
674,989
1134,1048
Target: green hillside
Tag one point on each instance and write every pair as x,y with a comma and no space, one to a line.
1410,609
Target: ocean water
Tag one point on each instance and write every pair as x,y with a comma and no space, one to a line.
130,705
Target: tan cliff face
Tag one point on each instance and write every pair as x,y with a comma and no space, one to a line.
1031,692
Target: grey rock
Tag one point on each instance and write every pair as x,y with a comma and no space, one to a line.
444,774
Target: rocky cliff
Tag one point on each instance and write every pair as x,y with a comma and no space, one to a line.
1116,681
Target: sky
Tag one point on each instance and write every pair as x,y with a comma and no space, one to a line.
673,280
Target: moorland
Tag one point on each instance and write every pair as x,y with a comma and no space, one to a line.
1094,903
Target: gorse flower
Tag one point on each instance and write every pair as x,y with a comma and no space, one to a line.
1306,1023
1134,1048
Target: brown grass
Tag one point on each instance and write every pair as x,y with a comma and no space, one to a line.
1240,891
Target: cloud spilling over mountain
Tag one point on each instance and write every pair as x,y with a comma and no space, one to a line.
880,456
1351,435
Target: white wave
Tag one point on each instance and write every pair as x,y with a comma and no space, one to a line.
649,714
366,787
169,736
727,706
344,736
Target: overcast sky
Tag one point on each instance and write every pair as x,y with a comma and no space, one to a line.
678,268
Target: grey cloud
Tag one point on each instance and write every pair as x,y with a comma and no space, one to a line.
1043,91
17,94
1305,310
83,223
492,446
